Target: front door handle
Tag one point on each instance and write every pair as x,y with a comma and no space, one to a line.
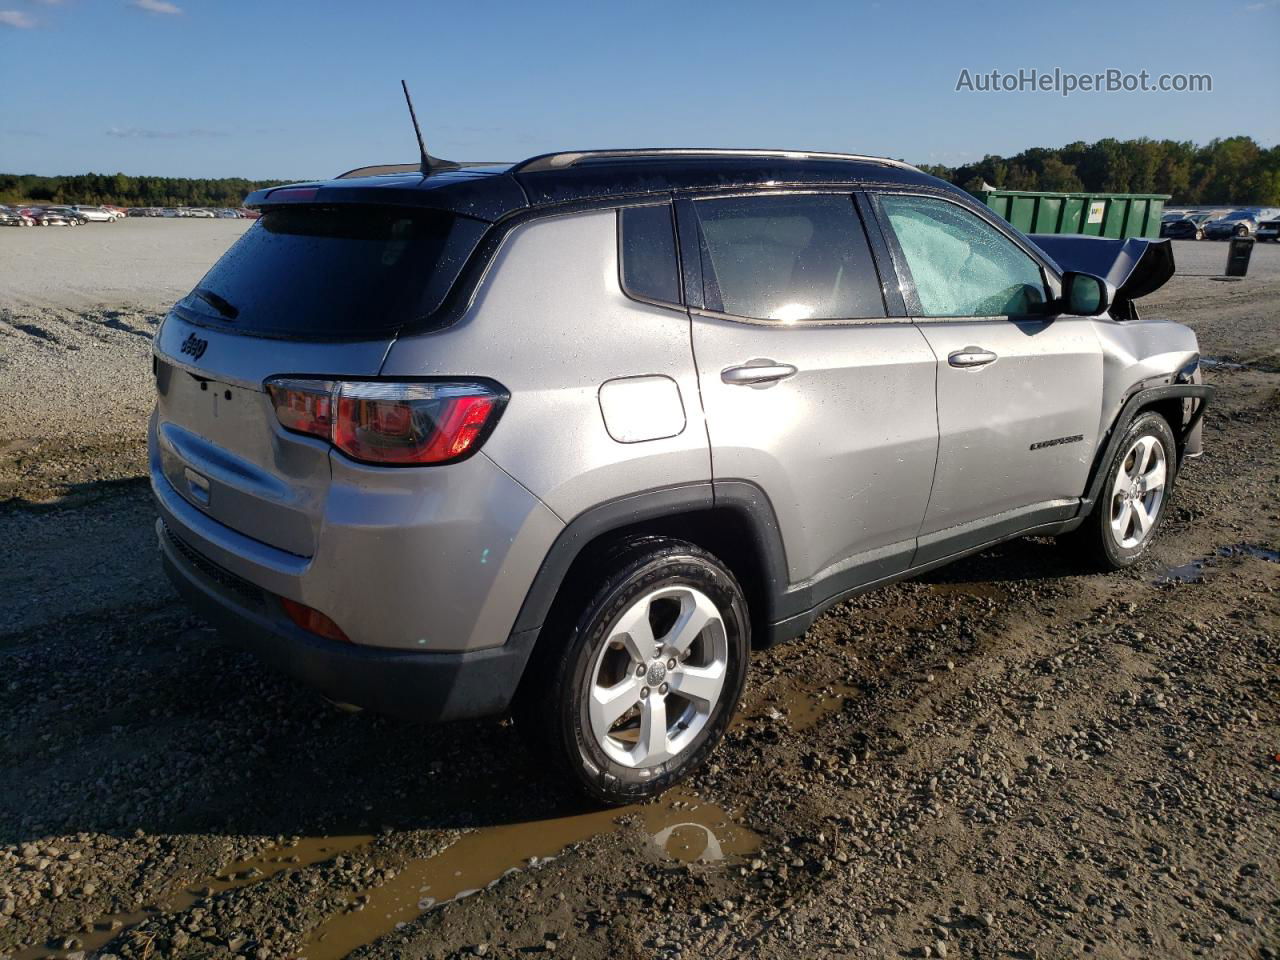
756,373
971,357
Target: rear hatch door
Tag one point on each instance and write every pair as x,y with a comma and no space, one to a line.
307,291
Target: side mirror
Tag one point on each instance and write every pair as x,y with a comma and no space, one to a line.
1084,295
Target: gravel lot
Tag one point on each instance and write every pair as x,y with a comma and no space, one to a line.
1009,758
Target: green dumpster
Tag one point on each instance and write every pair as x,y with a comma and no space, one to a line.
1116,215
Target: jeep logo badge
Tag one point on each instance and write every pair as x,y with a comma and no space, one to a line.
194,346
656,673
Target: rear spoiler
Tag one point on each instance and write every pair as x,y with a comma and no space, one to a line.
1135,267
459,190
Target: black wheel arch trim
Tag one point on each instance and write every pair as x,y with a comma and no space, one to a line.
741,497
1137,401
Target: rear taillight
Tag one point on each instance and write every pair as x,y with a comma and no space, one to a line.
390,423
305,406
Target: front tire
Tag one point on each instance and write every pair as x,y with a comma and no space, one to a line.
1135,492
640,689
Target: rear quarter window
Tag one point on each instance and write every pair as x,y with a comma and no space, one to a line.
336,272
647,248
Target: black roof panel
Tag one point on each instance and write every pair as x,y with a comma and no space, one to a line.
494,191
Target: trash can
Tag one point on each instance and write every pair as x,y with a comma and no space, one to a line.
1117,215
1239,250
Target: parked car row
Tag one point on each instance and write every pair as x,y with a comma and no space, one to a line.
201,213
1189,226
60,215
42,216
1198,225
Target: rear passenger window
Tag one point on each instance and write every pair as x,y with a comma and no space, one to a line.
787,258
648,247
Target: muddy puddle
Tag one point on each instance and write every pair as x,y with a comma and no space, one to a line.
680,827
1197,570
804,708
292,855
1221,363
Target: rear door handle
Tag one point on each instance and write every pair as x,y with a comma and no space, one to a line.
971,357
756,373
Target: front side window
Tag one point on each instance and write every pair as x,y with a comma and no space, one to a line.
960,264
787,258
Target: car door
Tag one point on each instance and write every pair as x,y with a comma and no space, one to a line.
1019,389
810,391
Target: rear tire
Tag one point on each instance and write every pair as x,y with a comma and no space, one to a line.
634,685
1135,492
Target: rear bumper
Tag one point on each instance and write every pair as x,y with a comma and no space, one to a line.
430,560
409,684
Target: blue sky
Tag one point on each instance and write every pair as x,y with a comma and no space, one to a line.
301,90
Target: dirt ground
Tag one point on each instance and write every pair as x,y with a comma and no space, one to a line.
1012,757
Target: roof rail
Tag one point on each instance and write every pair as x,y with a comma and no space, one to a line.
560,161
382,169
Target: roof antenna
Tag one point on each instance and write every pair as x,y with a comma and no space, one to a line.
429,164
422,147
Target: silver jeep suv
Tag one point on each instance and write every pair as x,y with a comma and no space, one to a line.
568,437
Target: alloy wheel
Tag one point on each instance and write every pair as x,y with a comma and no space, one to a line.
1138,491
658,677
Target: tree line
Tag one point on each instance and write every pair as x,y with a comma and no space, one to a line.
1230,171
1234,170
123,190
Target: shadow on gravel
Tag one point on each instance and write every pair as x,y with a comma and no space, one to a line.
166,728
147,728
117,320
76,495
1017,560
277,763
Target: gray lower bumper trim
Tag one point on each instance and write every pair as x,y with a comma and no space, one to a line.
403,683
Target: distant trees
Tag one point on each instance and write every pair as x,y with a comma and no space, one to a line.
1235,170
126,191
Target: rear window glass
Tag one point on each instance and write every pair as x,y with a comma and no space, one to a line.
787,258
649,265
336,272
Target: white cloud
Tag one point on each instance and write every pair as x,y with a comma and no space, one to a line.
16,19
1264,5
157,6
